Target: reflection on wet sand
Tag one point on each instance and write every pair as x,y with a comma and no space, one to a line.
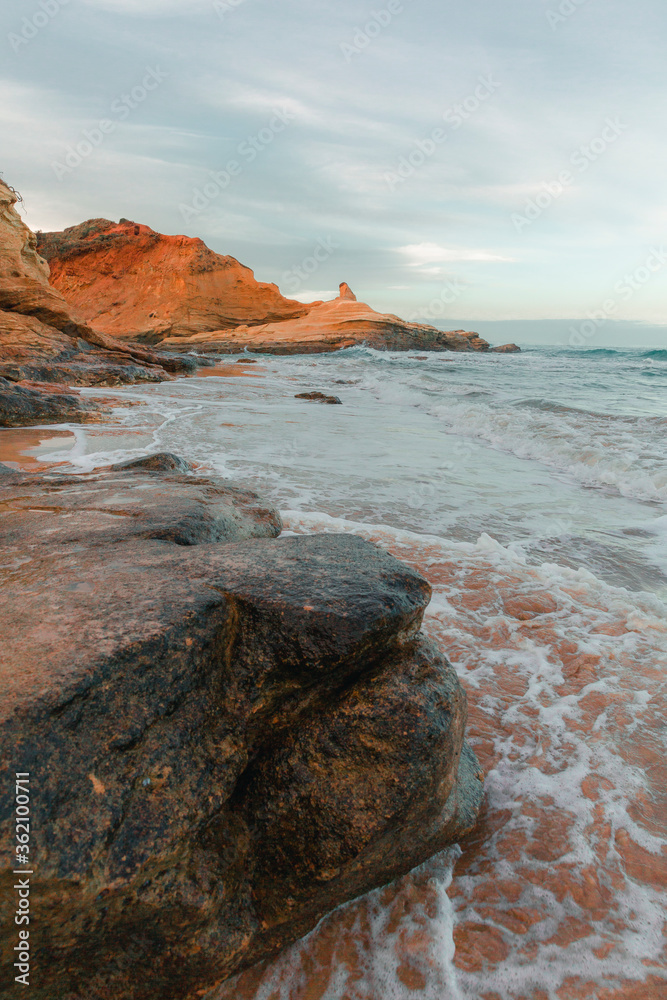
237,370
28,447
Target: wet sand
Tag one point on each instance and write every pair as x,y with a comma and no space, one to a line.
236,370
26,448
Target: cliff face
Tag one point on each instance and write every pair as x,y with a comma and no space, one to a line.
329,326
44,339
134,283
131,282
18,247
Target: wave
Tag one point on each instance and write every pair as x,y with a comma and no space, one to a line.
624,453
549,407
657,355
601,352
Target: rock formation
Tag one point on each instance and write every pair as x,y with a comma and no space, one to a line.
566,710
173,291
319,397
224,741
330,326
43,339
131,282
115,284
24,403
506,349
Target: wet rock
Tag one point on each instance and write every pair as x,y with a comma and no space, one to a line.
318,397
337,821
149,498
86,371
225,740
163,461
22,405
506,349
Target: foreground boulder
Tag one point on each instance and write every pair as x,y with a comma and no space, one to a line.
224,741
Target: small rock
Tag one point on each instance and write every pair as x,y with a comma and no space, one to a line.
506,349
319,397
162,462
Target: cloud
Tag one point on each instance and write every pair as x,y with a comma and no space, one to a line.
149,8
419,254
324,175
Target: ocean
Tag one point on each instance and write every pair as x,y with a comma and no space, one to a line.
531,490
558,454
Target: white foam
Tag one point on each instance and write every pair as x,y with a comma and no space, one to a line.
584,602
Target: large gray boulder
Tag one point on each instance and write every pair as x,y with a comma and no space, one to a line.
224,741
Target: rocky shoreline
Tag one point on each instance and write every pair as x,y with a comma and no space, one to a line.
84,313
47,347
231,732
228,733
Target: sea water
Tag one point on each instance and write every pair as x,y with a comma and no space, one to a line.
559,454
531,490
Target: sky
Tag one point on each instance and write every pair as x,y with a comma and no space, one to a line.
482,161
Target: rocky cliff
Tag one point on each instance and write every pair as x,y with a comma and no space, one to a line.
172,291
227,733
330,326
131,282
43,339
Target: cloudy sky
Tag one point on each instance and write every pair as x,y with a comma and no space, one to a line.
484,160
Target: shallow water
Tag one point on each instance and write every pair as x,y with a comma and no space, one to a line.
558,454
532,491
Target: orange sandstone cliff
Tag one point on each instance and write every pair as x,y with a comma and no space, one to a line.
131,282
329,326
173,291
46,344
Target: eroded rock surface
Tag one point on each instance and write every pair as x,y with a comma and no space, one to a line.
225,740
131,282
559,892
173,291
24,403
331,326
43,339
